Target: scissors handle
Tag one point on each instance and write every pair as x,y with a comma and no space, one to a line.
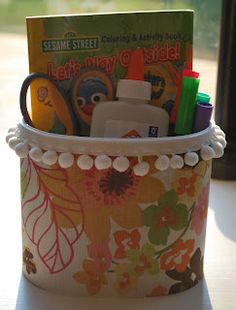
61,107
23,95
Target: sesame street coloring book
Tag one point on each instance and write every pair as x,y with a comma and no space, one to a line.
86,55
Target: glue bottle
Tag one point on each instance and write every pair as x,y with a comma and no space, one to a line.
131,116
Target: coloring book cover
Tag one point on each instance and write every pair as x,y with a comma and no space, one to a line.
85,55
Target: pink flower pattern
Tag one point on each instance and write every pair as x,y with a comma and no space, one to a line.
64,207
100,253
200,211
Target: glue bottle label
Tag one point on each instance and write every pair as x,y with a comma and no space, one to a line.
127,129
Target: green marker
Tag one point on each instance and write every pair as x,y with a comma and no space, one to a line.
187,105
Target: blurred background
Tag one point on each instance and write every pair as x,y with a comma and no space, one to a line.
206,25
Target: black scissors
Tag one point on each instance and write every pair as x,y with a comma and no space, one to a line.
65,111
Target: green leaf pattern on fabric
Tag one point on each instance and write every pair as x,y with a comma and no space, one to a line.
165,216
143,260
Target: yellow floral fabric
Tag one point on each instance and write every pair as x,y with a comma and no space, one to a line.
107,233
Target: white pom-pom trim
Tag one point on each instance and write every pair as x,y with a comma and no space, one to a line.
121,163
218,148
219,139
207,152
9,136
102,162
191,159
66,160
36,154
213,148
13,141
49,157
85,162
222,141
218,131
162,163
22,150
141,169
176,162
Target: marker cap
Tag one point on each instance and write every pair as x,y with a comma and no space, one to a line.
202,116
202,97
187,105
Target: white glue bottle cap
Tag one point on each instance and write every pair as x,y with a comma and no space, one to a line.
134,85
134,89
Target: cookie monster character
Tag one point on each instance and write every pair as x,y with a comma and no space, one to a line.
91,88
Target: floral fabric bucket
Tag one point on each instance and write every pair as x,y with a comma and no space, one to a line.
121,217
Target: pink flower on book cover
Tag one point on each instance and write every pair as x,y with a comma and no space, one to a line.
52,216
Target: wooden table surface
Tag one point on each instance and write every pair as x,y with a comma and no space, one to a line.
216,291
